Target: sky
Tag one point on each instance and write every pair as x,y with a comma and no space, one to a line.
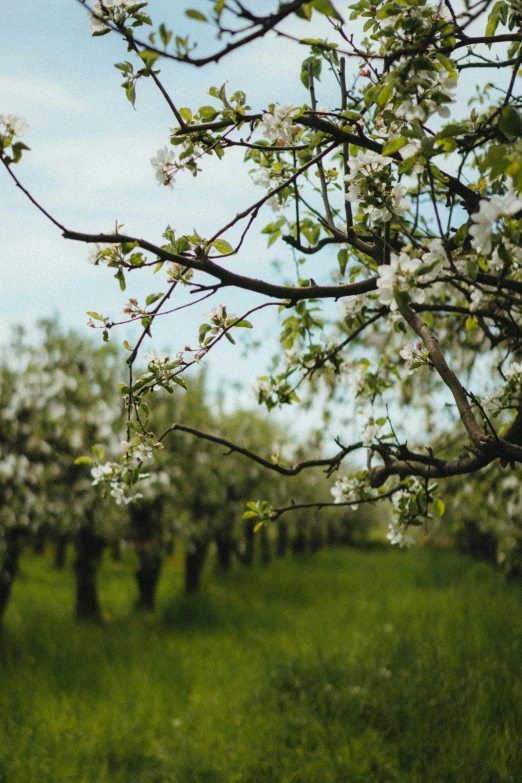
89,165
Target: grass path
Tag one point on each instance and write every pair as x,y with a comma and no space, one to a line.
356,666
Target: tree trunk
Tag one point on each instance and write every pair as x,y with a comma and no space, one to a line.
116,550
89,549
481,544
225,547
40,541
332,534
299,542
147,533
249,545
147,576
282,538
316,537
264,545
9,568
60,552
194,561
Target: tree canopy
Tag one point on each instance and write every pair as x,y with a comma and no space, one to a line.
400,206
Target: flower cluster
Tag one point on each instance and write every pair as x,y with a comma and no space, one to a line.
102,253
489,213
397,535
141,448
373,427
176,273
371,182
410,507
272,391
270,177
14,126
104,11
406,274
219,320
166,167
432,91
11,127
116,479
351,490
414,357
277,124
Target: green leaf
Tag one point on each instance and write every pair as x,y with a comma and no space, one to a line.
149,58
250,514
153,298
394,145
83,461
230,338
179,381
316,64
438,506
97,316
245,324
510,122
130,92
326,8
258,526
384,95
98,451
222,246
126,67
305,11
192,14
342,257
207,113
186,113
203,329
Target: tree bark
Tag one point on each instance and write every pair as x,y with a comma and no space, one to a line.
316,537
332,533
249,545
299,542
40,540
116,550
60,551
89,549
147,533
225,548
194,561
9,568
282,538
264,545
147,576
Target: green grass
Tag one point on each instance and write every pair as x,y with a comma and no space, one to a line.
356,665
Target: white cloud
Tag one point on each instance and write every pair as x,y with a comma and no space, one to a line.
28,94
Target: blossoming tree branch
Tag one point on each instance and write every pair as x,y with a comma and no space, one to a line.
402,199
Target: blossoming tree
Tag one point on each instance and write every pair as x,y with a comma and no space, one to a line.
402,200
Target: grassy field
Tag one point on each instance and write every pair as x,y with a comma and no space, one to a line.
356,665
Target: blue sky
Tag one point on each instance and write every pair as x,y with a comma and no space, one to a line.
89,165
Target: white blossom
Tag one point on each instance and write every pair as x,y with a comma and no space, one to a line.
490,211
476,299
396,536
16,125
278,125
164,163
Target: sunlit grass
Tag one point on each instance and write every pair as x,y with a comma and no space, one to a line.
354,665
